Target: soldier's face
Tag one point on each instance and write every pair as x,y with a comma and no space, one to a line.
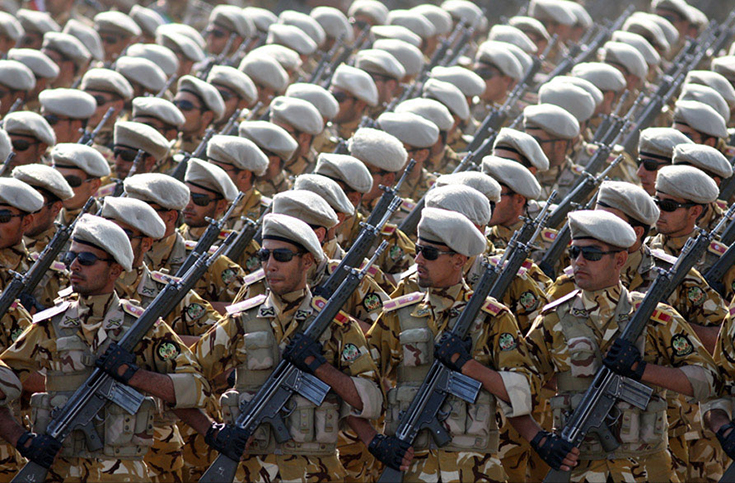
596,275
201,205
443,271
191,107
96,279
647,175
28,150
81,183
16,223
679,222
285,277
216,38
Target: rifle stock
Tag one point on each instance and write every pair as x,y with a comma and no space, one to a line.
180,172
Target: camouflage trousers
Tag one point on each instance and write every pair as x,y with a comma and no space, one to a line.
706,457
10,462
79,470
287,468
165,459
447,466
655,467
197,454
355,458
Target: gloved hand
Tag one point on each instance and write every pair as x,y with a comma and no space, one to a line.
449,345
42,450
230,441
621,358
389,450
553,450
30,303
727,442
301,348
115,357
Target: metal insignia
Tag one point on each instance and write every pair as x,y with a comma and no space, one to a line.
267,312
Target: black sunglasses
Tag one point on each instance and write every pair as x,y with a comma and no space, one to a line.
217,33
102,100
85,258
651,164
671,205
7,215
487,72
341,97
201,199
20,145
431,253
226,96
279,254
75,181
186,106
130,235
591,254
127,155
53,119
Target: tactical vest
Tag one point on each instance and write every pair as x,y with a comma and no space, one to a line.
124,436
640,433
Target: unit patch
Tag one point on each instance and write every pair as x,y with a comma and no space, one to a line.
507,342
681,345
350,352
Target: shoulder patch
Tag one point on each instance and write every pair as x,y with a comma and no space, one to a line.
265,201
161,277
107,190
549,235
224,233
730,151
591,148
717,248
63,293
662,255
389,229
577,169
254,277
569,272
131,308
657,315
372,271
404,301
407,205
320,302
190,244
732,310
51,312
245,304
492,307
558,302
722,205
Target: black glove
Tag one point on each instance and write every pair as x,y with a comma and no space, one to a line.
231,379
554,449
30,303
389,450
42,450
622,356
727,442
114,357
229,441
449,345
301,348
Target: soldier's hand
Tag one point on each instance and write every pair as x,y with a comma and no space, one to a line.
230,441
391,451
452,351
118,363
726,436
556,452
625,359
305,353
39,448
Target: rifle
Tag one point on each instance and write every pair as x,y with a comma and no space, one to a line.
287,380
180,170
328,55
219,59
454,54
13,107
620,126
230,123
88,137
389,194
210,236
343,56
91,397
602,131
6,164
727,186
167,86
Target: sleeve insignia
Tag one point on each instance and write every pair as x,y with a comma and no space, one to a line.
350,352
267,312
256,276
168,350
245,304
492,307
695,295
681,345
371,302
507,342
228,276
528,301
403,301
195,311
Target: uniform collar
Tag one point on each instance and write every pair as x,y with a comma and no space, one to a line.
599,304
442,299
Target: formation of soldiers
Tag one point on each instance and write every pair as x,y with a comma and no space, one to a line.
193,199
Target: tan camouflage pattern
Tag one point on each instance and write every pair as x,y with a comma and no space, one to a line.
559,178
18,259
624,171
415,189
274,186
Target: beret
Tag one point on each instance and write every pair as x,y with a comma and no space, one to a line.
210,177
462,199
300,114
10,26
107,236
44,177
292,37
161,189
529,24
632,200
290,229
661,141
117,23
321,98
697,17
627,56
369,8
345,168
714,80
162,56
643,46
513,175
141,71
68,46
269,137
20,195
521,56
467,81
449,95
87,36
499,55
524,144
588,86
239,152
266,71
137,135
27,123
512,35
379,149
147,19
80,156
411,129
334,23
179,42
157,108
261,17
36,21
479,181
380,62
706,95
182,29
604,76
430,109
357,82
232,18
574,99
307,206
602,226
73,103
670,32
135,213
456,232
16,76
704,157
326,188
688,183
5,144
289,59
39,63
649,30
582,17
206,92
306,23
678,6
467,11
107,80
439,18
551,10
553,119
413,21
395,32
237,80
410,57
725,66
701,117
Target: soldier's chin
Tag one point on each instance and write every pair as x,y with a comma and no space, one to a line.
424,282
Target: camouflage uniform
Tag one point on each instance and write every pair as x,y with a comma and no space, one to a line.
253,205
444,162
673,246
416,189
301,164
16,258
39,242
335,132
559,178
624,171
274,186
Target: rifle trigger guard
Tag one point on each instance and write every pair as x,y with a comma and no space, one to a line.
288,409
442,416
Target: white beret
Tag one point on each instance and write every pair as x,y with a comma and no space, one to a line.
632,200
232,18
649,30
678,6
27,123
16,76
378,149
266,71
300,114
39,63
474,179
306,23
162,56
697,17
178,42
700,117
439,18
551,10
499,55
627,56
237,80
369,8
10,27
524,144
688,183
413,21
714,80
588,86
292,230
357,82
671,33
462,199
206,92
136,135
269,137
211,178
5,145
604,76
513,175
136,213
706,95
706,158
68,46
602,226
147,19
660,141
411,129
141,71
449,95
570,97
345,168
261,17
292,37
182,29
381,62
80,156
523,58
239,152
334,22
87,36
725,66
447,228
307,206
289,59
73,103
36,21
467,11
529,24
395,32
321,98
44,177
107,80
161,189
640,43
117,23
582,17
512,35
410,57
553,119
467,81
157,108
20,195
107,236
326,188
430,109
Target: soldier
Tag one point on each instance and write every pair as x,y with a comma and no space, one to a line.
355,91
83,168
109,89
605,77
35,25
288,59
11,32
44,70
131,137
31,136
69,53
655,150
631,64
296,39
386,73
558,20
17,82
700,123
162,56
534,30
304,123
441,158
471,85
148,20
10,391
409,56
325,103
522,148
201,104
144,76
335,24
67,111
500,70
454,100
88,36
365,14
117,32
161,115
419,25
278,145
227,22
237,92
715,165
186,49
267,74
